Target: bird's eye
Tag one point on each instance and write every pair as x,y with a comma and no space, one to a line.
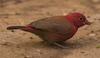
81,19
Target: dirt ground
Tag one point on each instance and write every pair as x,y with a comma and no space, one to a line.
20,44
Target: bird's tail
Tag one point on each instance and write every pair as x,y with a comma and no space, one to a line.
27,28
15,27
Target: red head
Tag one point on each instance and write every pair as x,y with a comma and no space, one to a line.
77,19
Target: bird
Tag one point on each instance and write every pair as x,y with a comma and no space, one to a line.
55,29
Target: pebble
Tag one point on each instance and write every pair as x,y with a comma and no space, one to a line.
18,1
26,56
38,50
96,1
31,38
82,52
6,44
98,46
12,31
92,35
64,14
17,13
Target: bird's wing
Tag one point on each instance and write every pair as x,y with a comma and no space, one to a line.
57,24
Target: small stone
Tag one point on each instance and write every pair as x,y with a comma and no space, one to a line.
92,31
31,37
26,56
82,52
6,43
86,54
12,31
98,46
92,35
17,46
88,16
64,14
17,13
38,50
95,1
92,20
18,1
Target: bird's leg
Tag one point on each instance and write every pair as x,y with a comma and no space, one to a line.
60,44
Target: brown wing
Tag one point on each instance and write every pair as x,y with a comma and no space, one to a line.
56,24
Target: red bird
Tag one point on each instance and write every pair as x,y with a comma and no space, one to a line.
56,29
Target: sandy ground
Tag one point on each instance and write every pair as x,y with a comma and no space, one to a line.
20,44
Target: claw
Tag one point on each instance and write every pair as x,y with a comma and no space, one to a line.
60,45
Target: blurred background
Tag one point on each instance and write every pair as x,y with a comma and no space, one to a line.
85,44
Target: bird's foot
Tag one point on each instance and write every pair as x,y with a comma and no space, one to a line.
61,45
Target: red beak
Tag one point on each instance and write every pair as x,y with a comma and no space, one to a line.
87,22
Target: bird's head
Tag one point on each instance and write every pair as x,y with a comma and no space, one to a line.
78,19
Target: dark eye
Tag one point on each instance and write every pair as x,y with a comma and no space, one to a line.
81,19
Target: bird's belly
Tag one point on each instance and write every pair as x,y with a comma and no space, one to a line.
53,37
56,37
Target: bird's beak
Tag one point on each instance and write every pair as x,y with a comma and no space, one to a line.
87,22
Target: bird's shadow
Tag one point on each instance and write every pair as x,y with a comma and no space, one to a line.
54,50
78,43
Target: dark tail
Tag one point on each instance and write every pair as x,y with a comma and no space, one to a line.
15,27
24,28
27,28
